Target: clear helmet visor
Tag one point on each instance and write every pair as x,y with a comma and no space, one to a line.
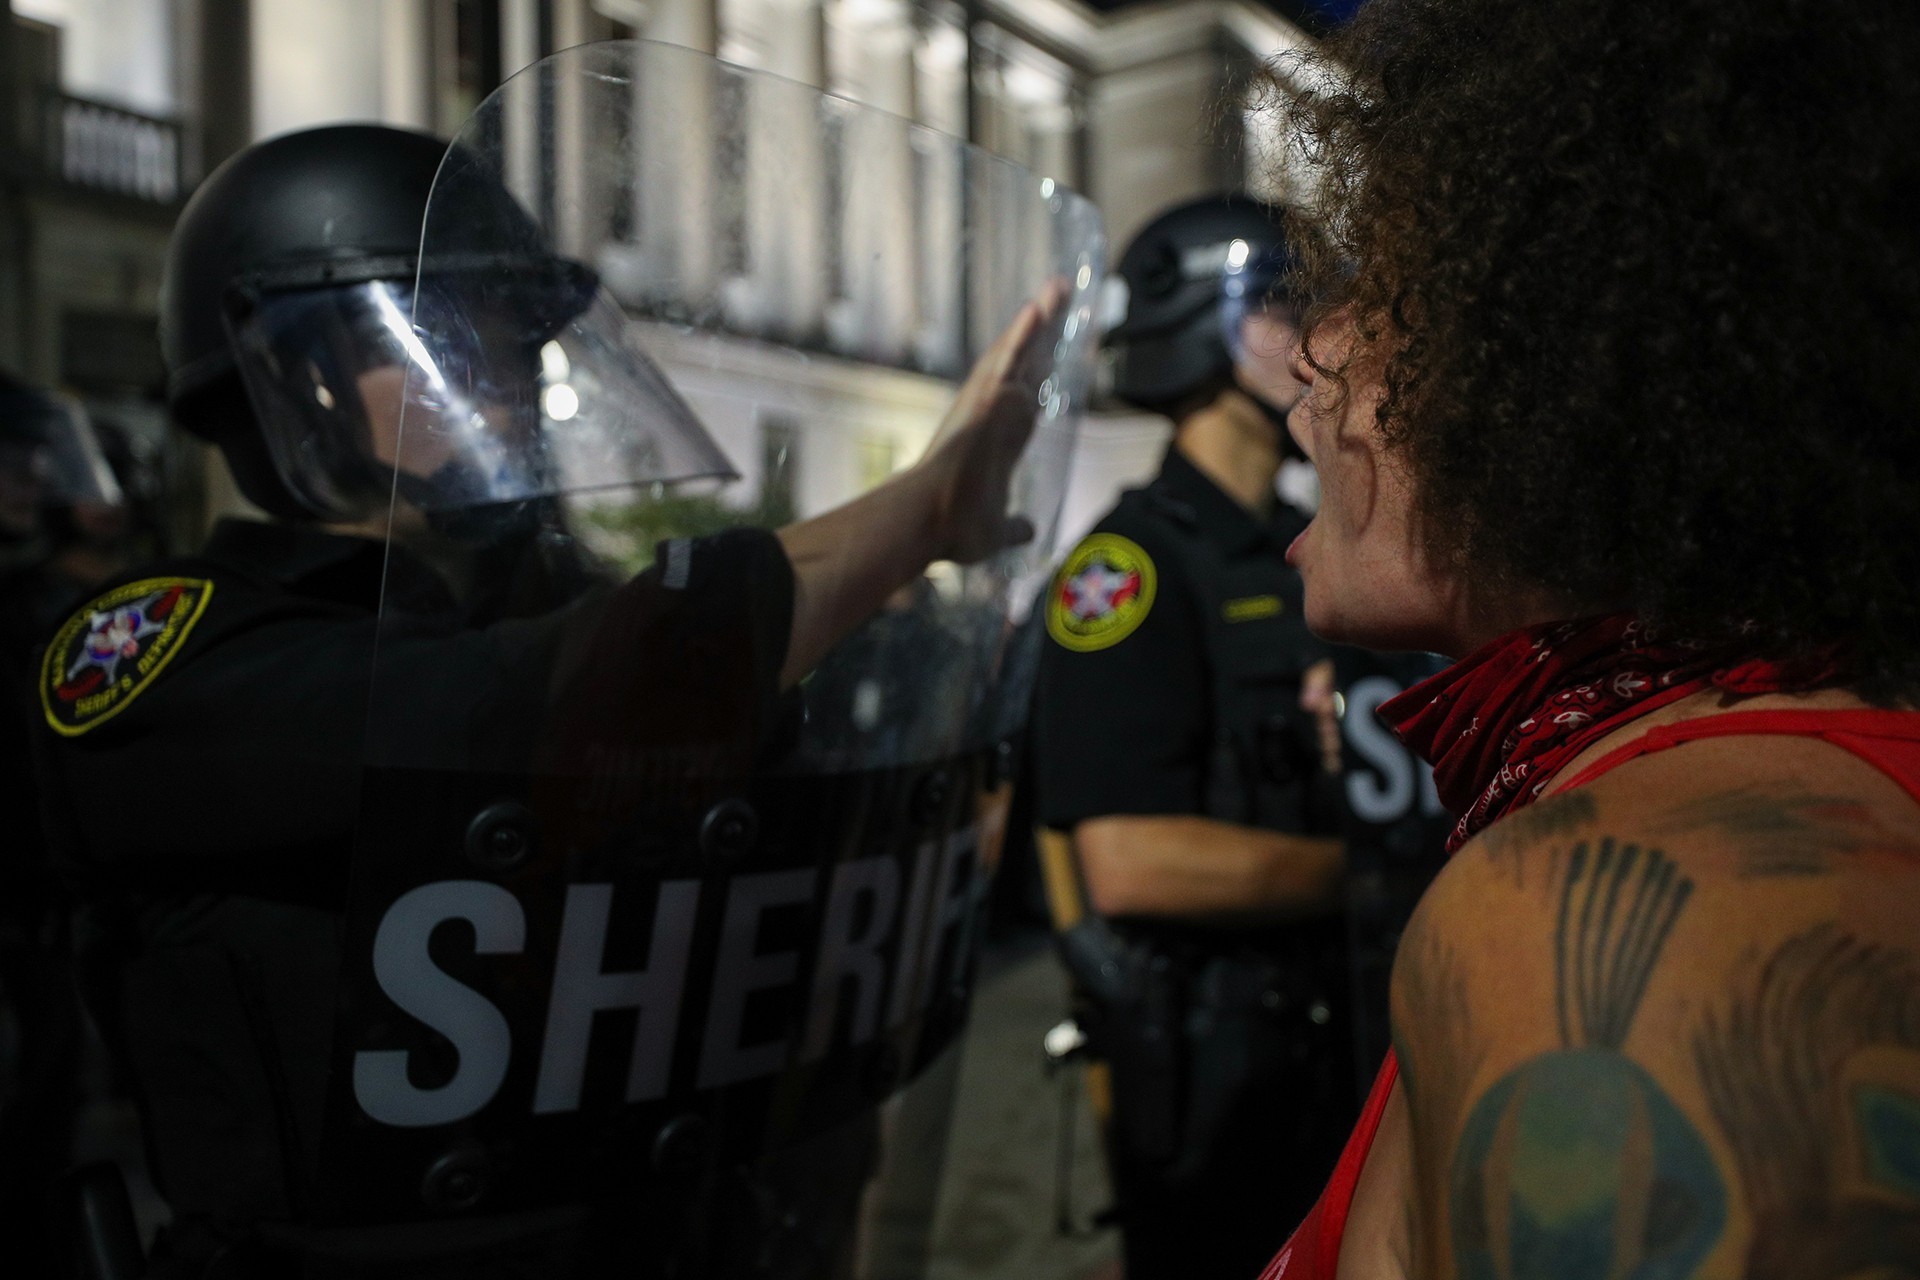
1259,323
470,387
50,456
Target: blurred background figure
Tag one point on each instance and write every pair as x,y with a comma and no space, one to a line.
1188,771
63,514
67,485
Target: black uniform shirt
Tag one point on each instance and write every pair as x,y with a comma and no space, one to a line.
1170,681
204,730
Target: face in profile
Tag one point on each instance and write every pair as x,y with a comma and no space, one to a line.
451,423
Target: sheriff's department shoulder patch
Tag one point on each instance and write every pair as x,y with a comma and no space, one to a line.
107,654
1101,594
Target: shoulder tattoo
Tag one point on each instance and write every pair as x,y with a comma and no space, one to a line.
1576,1163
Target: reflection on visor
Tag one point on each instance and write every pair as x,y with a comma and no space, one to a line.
473,389
50,455
1249,283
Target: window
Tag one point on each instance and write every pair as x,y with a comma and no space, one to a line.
113,51
1028,107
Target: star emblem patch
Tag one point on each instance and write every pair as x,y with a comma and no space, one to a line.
1101,594
105,656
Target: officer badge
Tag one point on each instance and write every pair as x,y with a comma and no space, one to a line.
107,654
1101,594
1253,608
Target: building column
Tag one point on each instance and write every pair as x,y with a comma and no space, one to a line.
940,92
520,109
1145,130
784,292
877,318
674,260
406,63
579,130
213,69
691,24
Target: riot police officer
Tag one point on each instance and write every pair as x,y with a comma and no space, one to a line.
204,719
1184,741
50,463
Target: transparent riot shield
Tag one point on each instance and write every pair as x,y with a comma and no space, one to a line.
656,955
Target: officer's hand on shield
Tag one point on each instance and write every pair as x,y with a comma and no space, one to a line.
951,505
974,453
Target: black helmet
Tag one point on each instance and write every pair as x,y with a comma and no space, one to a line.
1190,274
291,274
50,456
337,204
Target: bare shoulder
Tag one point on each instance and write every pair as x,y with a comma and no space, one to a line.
1670,1025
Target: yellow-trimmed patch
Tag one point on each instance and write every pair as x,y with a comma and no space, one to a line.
1101,594
1252,608
106,655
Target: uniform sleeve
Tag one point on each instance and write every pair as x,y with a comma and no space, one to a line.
234,766
683,662
239,768
1120,707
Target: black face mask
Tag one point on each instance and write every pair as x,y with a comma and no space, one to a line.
1278,421
477,526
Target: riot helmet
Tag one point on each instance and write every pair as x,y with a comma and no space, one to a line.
49,457
1191,280
291,307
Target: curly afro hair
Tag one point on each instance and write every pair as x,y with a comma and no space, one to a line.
1642,279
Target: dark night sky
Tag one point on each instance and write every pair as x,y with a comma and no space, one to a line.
1316,16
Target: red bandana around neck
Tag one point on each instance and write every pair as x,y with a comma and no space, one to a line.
1500,723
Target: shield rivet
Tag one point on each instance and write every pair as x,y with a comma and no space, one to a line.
502,837
457,1181
929,799
729,831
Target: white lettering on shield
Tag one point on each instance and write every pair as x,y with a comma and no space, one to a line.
581,989
421,989
850,965
742,970
844,956
1391,796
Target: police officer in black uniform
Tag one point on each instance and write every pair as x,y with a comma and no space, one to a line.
204,720
1184,740
50,462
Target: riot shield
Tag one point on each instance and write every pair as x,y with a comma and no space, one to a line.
652,960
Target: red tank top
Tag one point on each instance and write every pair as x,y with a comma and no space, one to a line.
1887,740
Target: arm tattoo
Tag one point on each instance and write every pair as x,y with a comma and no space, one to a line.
1576,1165
1440,1040
1509,841
1607,953
1439,1057
1780,833
1811,1074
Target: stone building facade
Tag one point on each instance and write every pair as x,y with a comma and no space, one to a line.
112,109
